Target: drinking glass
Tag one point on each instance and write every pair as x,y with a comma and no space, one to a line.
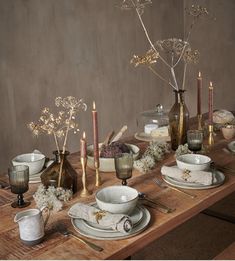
195,140
19,182
123,166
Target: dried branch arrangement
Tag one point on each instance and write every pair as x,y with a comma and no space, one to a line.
170,52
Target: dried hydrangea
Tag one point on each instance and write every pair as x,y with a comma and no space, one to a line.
182,149
154,152
52,197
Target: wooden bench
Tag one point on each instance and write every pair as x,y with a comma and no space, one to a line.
228,253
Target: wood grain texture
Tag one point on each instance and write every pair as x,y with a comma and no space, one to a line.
55,246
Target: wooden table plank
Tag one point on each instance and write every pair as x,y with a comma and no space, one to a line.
55,246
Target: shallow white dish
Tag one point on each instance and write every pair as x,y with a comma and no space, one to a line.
189,185
193,162
135,217
147,137
90,232
107,164
231,146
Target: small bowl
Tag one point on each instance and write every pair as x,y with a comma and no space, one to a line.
228,131
35,162
107,164
117,199
193,162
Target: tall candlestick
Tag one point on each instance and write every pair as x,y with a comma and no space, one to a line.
96,144
199,93
84,192
210,116
83,146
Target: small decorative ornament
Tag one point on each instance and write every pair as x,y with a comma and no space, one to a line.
99,215
186,175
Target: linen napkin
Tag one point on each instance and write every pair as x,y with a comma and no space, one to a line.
200,177
119,222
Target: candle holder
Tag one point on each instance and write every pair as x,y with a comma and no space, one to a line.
199,122
19,181
85,192
97,174
210,138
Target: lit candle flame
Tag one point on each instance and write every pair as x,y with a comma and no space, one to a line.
199,75
84,135
210,87
94,107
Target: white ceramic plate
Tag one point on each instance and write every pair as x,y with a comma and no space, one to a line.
231,146
135,217
107,164
146,137
90,232
189,185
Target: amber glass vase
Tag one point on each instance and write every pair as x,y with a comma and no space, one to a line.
178,120
51,176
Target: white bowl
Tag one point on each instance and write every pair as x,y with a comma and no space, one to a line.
117,199
35,161
193,162
107,164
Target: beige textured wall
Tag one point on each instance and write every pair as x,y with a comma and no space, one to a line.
82,48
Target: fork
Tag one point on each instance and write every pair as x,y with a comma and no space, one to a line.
162,185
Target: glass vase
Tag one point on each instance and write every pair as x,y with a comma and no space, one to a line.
60,173
178,120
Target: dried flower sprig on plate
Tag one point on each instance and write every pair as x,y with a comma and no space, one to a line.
177,50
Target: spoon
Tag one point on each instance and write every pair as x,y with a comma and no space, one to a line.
160,206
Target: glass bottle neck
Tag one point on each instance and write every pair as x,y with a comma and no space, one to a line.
179,96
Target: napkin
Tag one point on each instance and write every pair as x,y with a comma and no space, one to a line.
201,177
119,222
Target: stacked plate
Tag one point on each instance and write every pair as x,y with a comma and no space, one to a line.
218,180
140,218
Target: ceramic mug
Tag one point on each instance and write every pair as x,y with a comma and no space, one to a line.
32,224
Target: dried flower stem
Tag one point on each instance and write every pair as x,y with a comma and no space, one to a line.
147,36
181,55
56,142
163,79
174,78
184,75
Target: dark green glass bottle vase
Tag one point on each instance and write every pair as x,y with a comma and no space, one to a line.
178,120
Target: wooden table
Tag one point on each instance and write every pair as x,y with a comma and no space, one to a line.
56,246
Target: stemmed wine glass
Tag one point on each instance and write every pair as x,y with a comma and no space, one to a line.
123,166
19,182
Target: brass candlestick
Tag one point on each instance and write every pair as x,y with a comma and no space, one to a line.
199,121
210,138
85,191
97,174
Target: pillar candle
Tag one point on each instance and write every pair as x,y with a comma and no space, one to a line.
83,146
210,117
199,94
95,133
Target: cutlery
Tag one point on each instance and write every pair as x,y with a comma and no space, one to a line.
158,205
88,243
222,168
162,185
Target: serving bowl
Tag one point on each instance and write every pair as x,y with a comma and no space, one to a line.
35,161
107,164
193,162
117,199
